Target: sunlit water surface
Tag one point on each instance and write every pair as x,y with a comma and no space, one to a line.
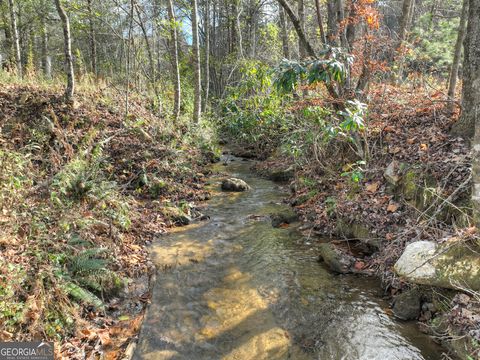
233,287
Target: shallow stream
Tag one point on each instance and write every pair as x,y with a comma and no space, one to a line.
233,287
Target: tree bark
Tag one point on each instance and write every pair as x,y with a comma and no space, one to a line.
16,38
70,90
471,97
452,84
174,56
404,21
238,28
283,31
93,42
469,124
298,28
350,31
44,45
301,18
196,64
153,75
341,26
332,25
320,21
206,85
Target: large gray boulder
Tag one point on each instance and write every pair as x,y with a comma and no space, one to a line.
451,264
234,184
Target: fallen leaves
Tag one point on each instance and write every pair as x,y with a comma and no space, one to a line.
392,207
372,187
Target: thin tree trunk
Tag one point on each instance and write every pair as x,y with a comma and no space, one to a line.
127,59
457,55
404,21
153,75
320,22
93,42
174,56
16,39
70,90
298,28
332,25
44,44
471,97
301,18
341,26
350,31
206,86
196,63
283,29
239,28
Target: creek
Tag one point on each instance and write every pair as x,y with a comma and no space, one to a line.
234,287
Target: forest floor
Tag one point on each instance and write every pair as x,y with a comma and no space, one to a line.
84,190
82,193
414,186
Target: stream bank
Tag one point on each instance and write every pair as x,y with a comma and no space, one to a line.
235,287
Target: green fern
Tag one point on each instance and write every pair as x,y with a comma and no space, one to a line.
82,295
89,269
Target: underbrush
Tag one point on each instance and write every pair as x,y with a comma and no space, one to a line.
386,173
82,190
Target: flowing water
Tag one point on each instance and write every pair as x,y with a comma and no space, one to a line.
233,287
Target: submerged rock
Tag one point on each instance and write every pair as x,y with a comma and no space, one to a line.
407,305
286,216
449,265
336,259
234,184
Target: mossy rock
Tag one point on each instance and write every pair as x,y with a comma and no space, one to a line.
355,230
335,259
281,175
176,215
286,216
448,265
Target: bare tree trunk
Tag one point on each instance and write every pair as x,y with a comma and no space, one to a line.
332,25
341,26
127,59
44,44
320,22
298,28
93,42
469,124
206,85
70,90
153,75
16,39
283,30
239,28
174,56
350,31
196,63
457,55
301,18
471,97
405,21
